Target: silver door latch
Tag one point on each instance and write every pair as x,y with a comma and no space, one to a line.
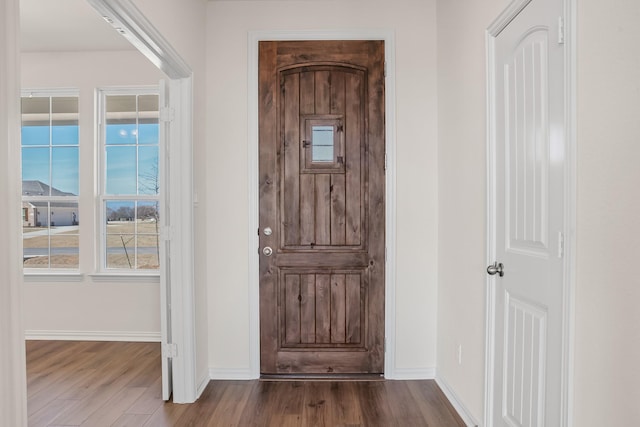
496,268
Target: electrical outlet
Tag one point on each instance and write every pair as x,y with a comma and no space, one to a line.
459,354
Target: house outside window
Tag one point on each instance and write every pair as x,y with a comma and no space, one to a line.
50,180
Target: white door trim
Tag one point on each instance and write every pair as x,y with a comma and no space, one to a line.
13,387
514,8
147,39
254,37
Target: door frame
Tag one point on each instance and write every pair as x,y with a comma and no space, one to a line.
13,390
570,178
254,37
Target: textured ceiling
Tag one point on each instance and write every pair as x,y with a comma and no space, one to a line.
65,25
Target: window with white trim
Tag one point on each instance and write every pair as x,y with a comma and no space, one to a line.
130,192
50,180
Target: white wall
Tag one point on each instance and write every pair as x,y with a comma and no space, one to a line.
607,372
414,24
83,306
462,195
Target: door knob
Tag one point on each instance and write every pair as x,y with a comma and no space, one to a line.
267,251
496,268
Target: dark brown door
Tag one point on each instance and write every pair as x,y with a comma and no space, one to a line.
322,207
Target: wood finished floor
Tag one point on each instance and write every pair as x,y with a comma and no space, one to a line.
98,384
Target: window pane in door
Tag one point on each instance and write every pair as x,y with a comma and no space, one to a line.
322,144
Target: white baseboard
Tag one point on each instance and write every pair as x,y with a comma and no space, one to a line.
204,381
411,374
457,404
92,336
230,374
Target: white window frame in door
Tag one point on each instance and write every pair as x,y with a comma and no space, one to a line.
133,25
514,8
254,38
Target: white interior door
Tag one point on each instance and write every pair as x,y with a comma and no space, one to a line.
165,242
527,202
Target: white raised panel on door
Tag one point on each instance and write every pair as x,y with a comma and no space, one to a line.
527,144
524,362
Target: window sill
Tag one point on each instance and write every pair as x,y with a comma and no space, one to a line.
31,276
77,277
125,277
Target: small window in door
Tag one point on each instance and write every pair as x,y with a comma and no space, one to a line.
322,145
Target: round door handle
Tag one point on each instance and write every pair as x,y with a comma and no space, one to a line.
496,268
267,251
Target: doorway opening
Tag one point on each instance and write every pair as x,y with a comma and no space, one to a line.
176,282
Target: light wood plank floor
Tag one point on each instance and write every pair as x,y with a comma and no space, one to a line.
98,384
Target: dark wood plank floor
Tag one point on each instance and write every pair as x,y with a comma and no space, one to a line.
98,384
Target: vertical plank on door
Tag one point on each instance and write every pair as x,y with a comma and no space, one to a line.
307,209
308,308
292,309
323,308
338,226
307,93
291,190
353,154
323,92
307,181
323,209
353,308
338,299
337,93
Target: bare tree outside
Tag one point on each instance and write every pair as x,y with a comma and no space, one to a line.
149,183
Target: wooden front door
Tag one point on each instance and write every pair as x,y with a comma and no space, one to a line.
322,207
